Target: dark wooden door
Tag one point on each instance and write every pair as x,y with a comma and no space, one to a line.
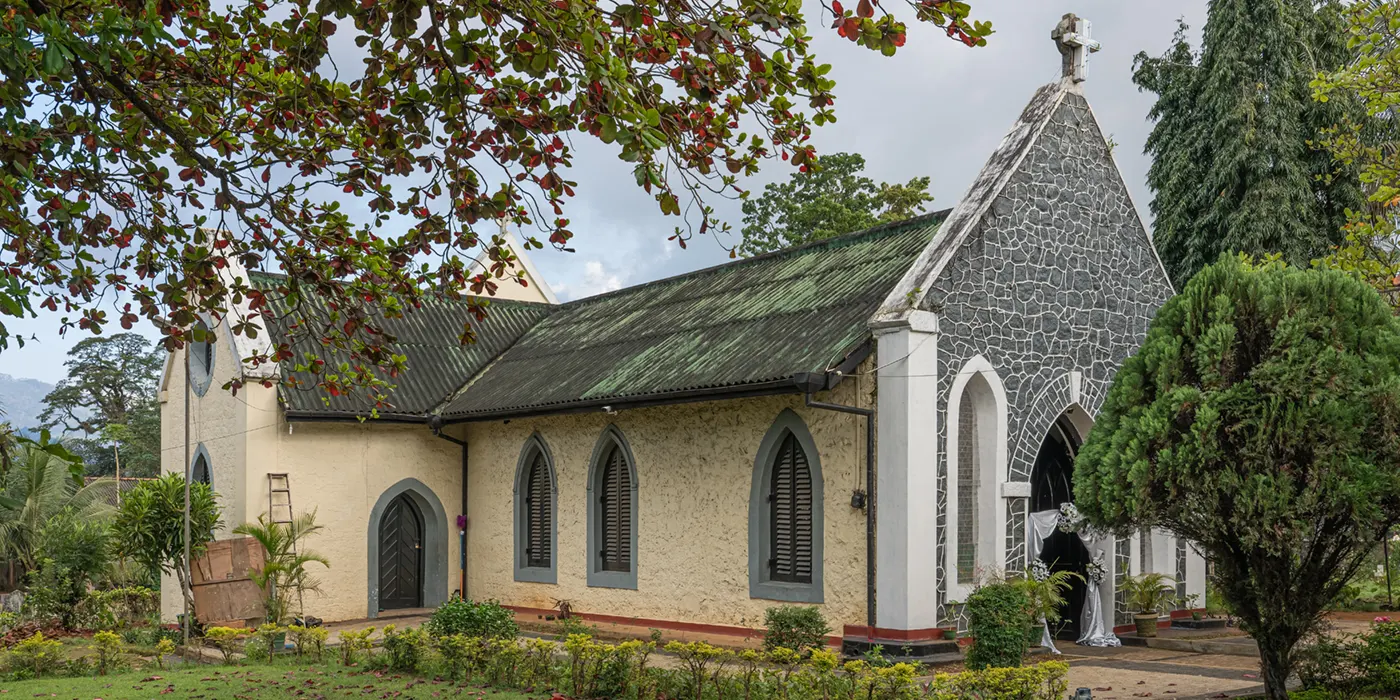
1052,484
401,556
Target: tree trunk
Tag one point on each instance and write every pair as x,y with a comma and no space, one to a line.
1276,657
185,588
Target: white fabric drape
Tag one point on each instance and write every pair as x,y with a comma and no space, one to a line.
1093,630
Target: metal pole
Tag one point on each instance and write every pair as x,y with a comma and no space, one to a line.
185,599
869,415
1385,545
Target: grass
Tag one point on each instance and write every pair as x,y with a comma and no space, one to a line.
281,679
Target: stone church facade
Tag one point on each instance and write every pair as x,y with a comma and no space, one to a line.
692,451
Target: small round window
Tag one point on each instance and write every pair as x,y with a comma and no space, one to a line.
201,358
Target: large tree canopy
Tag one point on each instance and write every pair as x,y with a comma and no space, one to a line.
1372,247
825,201
1261,421
107,402
1236,162
141,143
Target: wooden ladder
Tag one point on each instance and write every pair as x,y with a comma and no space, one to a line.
279,498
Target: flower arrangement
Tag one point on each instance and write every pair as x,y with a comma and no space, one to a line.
1097,570
1039,570
1070,519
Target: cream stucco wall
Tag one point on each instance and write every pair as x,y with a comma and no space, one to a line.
337,469
695,467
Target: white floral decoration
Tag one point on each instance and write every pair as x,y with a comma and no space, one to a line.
1097,570
1039,570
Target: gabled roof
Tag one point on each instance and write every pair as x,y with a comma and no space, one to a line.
753,326
438,363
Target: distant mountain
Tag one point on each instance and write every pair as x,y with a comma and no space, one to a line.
22,400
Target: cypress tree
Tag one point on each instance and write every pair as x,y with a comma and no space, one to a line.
1236,163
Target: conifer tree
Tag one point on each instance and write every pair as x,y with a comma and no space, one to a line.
1237,164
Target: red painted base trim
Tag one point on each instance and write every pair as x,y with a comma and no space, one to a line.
676,625
893,635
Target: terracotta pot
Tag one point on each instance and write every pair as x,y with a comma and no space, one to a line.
1146,624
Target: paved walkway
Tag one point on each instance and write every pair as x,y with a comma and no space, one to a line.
1134,672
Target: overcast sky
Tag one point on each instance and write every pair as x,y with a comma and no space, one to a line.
937,108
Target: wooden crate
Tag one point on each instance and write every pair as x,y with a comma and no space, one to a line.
224,595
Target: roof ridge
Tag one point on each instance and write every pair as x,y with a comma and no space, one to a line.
490,299
889,228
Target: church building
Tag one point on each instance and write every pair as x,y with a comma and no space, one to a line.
870,424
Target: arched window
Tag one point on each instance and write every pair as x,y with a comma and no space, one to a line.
200,360
200,473
615,509
790,515
976,463
612,513
785,515
535,503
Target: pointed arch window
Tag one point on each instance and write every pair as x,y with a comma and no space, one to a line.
535,504
790,515
785,515
612,513
200,471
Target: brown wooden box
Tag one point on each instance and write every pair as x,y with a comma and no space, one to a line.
224,595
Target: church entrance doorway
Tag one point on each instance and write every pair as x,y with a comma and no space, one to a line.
1052,484
401,555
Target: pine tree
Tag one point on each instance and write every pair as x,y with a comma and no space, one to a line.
1236,162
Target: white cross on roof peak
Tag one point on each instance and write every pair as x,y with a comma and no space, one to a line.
1073,37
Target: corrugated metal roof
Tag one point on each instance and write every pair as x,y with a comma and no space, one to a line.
752,323
428,337
747,323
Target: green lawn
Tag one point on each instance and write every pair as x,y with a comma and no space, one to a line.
283,679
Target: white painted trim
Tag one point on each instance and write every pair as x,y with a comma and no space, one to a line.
990,500
913,287
907,519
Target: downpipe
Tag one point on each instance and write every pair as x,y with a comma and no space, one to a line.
435,424
869,414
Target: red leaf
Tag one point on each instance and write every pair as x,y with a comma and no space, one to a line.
836,7
865,9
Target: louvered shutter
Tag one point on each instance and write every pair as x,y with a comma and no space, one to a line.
538,530
790,521
615,505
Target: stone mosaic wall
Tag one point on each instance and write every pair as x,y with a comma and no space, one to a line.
1058,277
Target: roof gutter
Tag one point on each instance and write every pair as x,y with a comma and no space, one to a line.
821,382
790,385
435,424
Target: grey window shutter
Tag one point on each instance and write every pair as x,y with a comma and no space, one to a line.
615,503
790,521
539,548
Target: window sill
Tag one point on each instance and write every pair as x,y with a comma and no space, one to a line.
535,574
613,579
787,592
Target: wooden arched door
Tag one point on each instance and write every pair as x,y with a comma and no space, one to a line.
401,555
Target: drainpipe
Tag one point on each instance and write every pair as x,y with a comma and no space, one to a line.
435,424
818,382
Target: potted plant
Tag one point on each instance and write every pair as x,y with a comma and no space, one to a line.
1046,591
283,577
1147,594
949,629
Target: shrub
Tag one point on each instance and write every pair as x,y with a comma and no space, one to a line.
309,640
1379,657
36,656
108,646
485,619
404,650
150,635
225,640
164,648
457,652
1040,682
998,615
795,627
352,643
263,643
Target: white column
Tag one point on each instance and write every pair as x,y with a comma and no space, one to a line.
906,512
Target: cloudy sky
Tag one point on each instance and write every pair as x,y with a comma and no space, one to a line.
937,109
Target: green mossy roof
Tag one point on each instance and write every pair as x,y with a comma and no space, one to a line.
750,323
